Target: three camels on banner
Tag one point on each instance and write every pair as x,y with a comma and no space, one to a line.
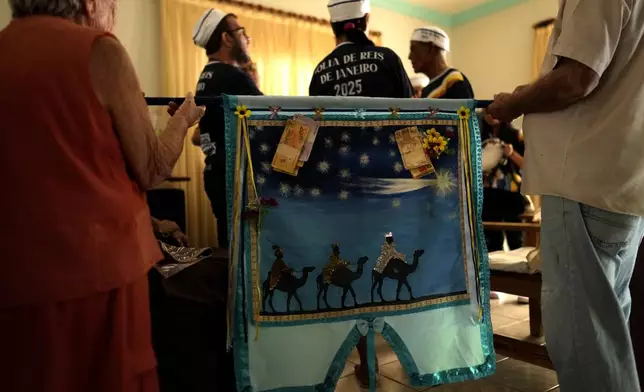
336,273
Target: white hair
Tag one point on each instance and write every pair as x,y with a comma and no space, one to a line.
62,8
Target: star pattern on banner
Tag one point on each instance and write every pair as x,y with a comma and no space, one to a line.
341,160
365,160
298,191
445,183
285,190
345,174
324,167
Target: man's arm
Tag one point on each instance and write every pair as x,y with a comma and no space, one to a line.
590,35
568,83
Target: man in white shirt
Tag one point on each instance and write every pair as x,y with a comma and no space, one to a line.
584,137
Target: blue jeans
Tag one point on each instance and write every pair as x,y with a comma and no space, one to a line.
588,256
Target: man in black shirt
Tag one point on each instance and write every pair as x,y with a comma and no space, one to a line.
357,67
226,44
427,55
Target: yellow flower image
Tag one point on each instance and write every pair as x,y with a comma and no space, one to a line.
434,143
242,111
464,113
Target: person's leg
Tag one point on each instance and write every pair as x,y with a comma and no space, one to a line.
637,314
492,212
362,373
514,207
587,259
215,187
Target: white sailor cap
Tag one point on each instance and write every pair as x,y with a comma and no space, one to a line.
206,26
432,35
341,10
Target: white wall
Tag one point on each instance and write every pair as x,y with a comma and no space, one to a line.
137,27
495,52
5,14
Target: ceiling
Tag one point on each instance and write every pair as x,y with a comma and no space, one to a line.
448,6
446,13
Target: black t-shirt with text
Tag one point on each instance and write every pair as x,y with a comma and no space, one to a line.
217,79
361,70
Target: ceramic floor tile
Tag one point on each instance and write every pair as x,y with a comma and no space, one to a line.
396,372
511,309
499,321
383,351
350,384
519,330
349,369
473,386
523,376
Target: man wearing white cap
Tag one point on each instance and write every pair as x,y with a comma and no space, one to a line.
584,131
427,54
226,45
357,67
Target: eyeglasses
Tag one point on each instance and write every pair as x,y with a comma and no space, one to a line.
243,32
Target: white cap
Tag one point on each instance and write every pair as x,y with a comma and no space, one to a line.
341,10
206,26
419,81
432,35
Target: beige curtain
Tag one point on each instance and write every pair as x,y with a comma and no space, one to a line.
541,41
286,51
376,38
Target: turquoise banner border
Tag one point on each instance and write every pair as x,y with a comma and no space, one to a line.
240,323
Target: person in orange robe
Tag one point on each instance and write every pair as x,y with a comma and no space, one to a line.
78,152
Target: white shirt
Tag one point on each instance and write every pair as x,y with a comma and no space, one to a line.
593,152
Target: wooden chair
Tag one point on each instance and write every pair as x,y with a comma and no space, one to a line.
524,285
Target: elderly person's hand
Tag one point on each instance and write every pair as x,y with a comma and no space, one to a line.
503,108
188,109
168,228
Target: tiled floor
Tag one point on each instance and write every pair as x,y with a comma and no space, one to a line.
509,318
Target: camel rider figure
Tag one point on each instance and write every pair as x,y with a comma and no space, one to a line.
387,253
279,267
334,262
